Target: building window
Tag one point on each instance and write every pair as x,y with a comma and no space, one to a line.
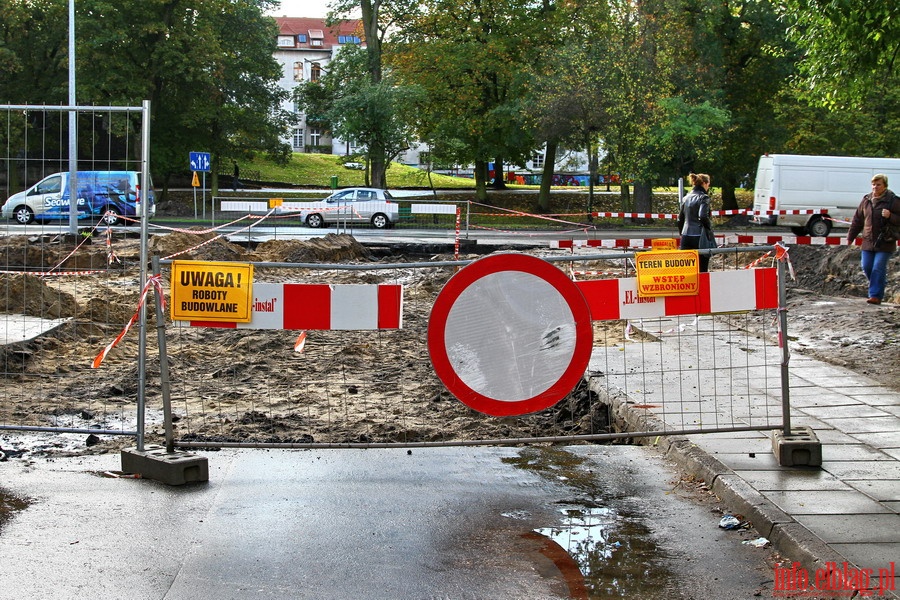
316,37
315,136
315,72
301,38
285,41
537,161
298,138
298,71
348,39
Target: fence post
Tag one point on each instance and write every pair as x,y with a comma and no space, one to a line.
163,364
785,351
145,206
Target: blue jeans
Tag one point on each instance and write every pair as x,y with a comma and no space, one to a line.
874,265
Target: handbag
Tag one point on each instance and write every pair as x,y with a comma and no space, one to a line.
707,240
889,233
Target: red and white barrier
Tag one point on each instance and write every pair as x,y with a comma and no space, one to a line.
791,239
720,292
321,306
624,215
767,240
610,243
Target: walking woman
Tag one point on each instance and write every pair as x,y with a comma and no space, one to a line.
875,221
693,221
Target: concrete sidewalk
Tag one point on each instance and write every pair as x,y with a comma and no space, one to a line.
845,511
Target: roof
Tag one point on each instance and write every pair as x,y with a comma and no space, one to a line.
313,28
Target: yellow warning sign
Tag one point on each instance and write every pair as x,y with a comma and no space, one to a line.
275,202
664,244
211,291
195,182
668,273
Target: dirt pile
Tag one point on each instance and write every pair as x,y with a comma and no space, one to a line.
264,391
836,271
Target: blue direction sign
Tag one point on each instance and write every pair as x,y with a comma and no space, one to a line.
200,161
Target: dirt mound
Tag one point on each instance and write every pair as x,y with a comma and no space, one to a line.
836,271
202,245
48,251
30,295
331,248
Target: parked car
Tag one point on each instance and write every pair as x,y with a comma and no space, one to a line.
352,205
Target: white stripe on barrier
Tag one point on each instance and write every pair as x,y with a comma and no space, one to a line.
243,206
433,209
321,307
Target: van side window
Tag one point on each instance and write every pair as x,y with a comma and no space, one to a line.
51,186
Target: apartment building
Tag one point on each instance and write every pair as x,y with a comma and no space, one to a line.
304,48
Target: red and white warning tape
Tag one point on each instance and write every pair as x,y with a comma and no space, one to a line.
456,245
301,342
154,281
721,239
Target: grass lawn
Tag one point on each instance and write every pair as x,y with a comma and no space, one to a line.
316,170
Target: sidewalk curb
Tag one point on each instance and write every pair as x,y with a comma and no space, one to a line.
785,534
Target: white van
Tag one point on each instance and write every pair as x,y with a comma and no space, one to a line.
109,195
794,182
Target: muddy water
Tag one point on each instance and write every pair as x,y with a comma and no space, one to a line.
626,533
613,548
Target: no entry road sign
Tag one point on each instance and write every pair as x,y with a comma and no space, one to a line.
510,334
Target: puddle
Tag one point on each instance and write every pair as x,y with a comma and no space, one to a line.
28,443
615,552
10,504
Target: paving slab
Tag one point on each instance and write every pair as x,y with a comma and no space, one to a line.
846,511
825,502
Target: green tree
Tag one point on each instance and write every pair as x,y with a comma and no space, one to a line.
207,67
851,47
755,64
33,51
377,115
473,59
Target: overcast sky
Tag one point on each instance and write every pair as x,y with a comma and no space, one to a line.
301,8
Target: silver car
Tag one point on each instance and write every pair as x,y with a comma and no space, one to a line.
353,205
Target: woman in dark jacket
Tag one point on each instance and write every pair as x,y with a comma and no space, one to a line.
874,212
693,221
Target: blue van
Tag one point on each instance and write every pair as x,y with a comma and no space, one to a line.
108,195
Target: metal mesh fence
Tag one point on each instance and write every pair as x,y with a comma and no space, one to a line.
375,388
63,290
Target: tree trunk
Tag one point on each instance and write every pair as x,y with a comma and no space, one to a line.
643,198
624,196
499,175
592,176
369,10
481,180
547,176
379,172
729,200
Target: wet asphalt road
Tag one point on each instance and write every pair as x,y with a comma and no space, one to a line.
448,523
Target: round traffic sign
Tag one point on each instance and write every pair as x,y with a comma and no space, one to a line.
510,334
